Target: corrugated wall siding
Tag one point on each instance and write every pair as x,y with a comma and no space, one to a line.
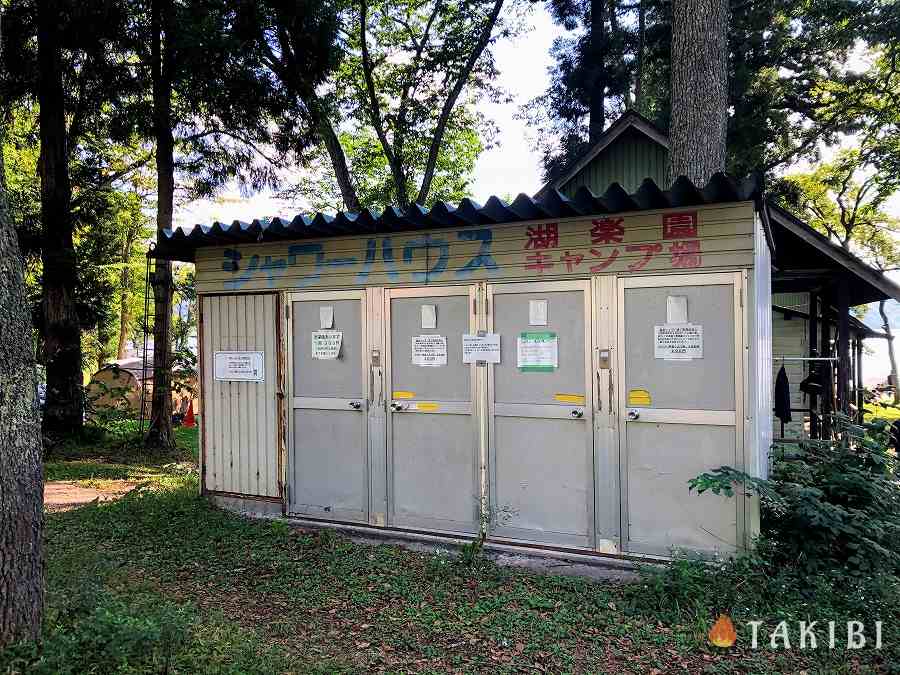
628,161
239,420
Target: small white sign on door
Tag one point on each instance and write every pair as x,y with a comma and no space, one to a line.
429,350
326,344
326,317
537,312
678,342
239,366
429,317
481,348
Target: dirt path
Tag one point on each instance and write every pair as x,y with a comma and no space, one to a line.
62,495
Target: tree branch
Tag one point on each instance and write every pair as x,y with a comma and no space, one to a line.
450,102
374,110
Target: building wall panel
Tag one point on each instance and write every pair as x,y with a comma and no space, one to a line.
561,249
240,453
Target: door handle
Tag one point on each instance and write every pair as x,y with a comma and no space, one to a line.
356,405
633,415
397,407
577,414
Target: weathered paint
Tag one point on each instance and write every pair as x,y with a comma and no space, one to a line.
240,424
628,160
704,238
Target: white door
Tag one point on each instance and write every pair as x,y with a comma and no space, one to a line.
540,413
432,436
328,470
681,356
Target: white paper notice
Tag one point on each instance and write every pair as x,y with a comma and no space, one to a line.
326,316
481,348
429,317
537,352
429,350
239,366
678,342
326,344
537,312
676,309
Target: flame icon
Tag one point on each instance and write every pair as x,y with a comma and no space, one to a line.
722,633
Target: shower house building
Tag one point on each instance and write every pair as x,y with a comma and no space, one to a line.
555,369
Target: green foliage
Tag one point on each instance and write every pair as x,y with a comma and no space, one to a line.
790,85
830,506
845,199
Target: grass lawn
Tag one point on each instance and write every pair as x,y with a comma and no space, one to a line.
161,581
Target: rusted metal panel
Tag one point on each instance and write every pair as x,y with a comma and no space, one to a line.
713,238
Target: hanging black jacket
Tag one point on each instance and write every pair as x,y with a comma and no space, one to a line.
782,396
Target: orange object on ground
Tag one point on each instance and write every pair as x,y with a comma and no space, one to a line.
189,420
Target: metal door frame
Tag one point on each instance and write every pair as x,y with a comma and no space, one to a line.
667,416
470,290
607,505
583,285
324,403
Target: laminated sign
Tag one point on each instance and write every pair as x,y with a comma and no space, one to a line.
326,344
429,350
484,347
239,366
678,342
537,352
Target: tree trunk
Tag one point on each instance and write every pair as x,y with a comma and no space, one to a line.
639,58
597,103
699,89
886,326
21,479
160,436
338,162
63,413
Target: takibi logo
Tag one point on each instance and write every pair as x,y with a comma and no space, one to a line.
722,633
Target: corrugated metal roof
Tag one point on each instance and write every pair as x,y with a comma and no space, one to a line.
180,244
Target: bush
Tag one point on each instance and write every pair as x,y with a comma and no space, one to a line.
833,505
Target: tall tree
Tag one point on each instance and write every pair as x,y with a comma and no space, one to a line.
409,70
21,473
210,104
67,57
160,435
64,407
591,80
790,87
699,89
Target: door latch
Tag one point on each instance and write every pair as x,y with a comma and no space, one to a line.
397,407
356,405
577,414
633,415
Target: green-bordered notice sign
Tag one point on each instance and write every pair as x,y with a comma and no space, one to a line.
537,352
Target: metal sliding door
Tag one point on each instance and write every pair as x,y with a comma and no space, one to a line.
432,437
329,464
540,413
681,358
